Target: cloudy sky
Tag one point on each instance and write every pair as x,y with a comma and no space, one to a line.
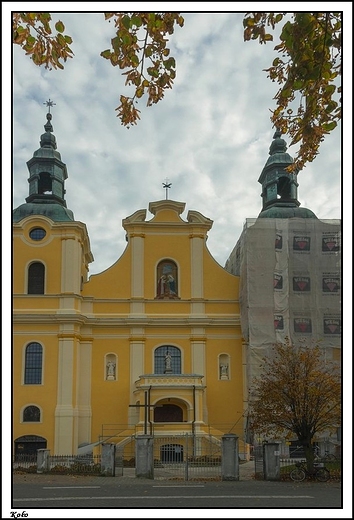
209,136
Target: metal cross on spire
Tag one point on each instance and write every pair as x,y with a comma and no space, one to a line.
49,104
167,185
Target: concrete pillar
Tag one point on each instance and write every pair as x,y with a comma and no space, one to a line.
229,460
43,465
271,461
144,456
108,460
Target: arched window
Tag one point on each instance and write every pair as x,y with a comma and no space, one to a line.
33,364
167,360
167,280
31,414
36,278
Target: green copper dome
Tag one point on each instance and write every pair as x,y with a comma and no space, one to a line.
286,212
55,212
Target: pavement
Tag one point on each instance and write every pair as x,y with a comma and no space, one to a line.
246,471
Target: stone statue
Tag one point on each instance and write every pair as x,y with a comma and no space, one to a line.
111,369
224,372
168,360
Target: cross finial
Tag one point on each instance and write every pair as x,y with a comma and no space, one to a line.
167,185
49,104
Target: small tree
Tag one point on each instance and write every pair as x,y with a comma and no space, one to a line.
299,392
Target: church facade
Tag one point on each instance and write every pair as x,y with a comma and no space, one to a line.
153,342
165,341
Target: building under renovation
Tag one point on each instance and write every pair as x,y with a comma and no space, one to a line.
289,264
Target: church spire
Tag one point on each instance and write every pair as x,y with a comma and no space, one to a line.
279,187
47,179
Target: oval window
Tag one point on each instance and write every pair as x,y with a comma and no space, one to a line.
37,234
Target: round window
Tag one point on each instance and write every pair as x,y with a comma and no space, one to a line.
37,234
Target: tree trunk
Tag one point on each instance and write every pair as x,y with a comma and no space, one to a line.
309,453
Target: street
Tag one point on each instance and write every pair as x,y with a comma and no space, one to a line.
54,491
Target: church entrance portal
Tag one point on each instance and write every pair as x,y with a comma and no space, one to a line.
168,413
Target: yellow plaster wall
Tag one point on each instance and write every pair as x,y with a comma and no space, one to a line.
218,283
107,296
114,282
225,402
109,399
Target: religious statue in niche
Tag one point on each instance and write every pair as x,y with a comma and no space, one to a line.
111,370
168,363
167,280
224,371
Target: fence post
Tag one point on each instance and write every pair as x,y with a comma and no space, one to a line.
108,460
271,461
43,460
186,455
229,458
144,456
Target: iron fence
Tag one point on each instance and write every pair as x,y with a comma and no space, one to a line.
25,462
75,464
63,464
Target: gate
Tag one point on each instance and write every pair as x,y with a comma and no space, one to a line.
170,453
187,457
124,454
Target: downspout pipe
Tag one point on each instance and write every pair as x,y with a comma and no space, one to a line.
145,411
193,422
150,421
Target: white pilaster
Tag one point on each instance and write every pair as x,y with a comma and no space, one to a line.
136,370
64,412
137,287
197,246
71,265
84,362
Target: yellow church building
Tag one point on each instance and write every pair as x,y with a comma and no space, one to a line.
151,345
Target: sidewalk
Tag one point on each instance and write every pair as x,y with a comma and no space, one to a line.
246,471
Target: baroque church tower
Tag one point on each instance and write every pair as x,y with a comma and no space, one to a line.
51,255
